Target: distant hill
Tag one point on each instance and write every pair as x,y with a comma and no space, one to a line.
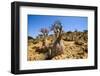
29,37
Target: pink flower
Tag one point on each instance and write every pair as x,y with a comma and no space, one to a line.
44,30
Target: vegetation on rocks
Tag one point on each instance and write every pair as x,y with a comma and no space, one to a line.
58,45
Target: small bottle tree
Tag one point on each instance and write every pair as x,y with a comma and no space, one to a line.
44,32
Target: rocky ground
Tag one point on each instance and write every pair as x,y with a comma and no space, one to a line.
75,47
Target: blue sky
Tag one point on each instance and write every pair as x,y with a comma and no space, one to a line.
69,23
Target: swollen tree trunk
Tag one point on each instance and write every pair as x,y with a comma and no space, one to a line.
44,43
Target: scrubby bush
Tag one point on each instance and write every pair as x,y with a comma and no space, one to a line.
79,42
35,41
